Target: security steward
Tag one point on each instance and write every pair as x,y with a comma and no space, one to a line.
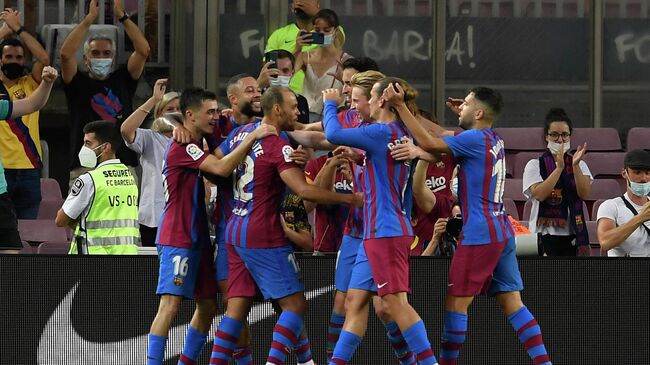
102,206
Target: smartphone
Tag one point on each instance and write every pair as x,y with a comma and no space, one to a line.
272,57
316,37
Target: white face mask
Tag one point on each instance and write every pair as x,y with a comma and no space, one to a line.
281,80
639,189
554,147
87,156
328,40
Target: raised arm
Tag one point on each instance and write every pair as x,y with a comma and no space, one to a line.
12,21
610,234
225,166
73,41
311,139
138,58
134,121
394,95
541,191
353,137
422,195
583,185
38,98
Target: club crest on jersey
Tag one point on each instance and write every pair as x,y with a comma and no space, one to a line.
178,281
194,151
286,152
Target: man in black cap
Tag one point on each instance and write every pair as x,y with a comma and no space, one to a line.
623,227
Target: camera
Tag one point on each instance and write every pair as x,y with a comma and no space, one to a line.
272,57
454,226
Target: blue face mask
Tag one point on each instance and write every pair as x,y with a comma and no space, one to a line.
101,67
639,189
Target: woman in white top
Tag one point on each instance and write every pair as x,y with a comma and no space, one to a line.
150,144
557,183
623,222
321,65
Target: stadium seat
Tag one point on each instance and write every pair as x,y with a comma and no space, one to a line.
597,139
41,230
520,161
513,190
27,248
593,238
48,208
53,248
511,208
528,206
605,164
523,139
638,138
604,189
50,189
45,158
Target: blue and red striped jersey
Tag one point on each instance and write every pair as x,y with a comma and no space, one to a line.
387,182
258,190
481,179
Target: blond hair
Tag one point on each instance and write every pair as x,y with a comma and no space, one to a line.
166,99
410,93
365,80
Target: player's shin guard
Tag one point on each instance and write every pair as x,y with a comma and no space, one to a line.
416,338
303,350
404,355
194,341
285,335
333,332
243,356
225,340
345,347
156,350
453,337
530,335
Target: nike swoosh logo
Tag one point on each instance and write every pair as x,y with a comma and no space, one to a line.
59,334
379,286
450,284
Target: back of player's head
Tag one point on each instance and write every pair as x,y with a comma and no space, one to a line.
410,93
105,132
11,42
366,80
490,97
233,82
556,115
361,64
274,95
193,98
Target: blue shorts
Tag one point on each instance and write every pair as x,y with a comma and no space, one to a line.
178,270
345,259
506,276
361,277
220,259
274,270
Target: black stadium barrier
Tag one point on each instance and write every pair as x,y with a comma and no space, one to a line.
97,310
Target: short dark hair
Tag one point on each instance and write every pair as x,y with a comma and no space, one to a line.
329,16
272,96
13,42
105,131
556,115
361,64
283,53
193,97
489,97
234,80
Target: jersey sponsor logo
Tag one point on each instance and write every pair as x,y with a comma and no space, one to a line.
343,186
286,152
436,184
397,142
194,151
77,186
59,333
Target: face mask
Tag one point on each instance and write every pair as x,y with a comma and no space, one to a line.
554,147
87,156
281,81
328,40
12,70
639,189
101,67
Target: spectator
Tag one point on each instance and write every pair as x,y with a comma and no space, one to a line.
281,75
557,183
322,64
349,68
150,145
102,205
445,236
295,223
20,143
623,228
9,238
100,93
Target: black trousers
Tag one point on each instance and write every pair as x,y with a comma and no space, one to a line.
559,245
